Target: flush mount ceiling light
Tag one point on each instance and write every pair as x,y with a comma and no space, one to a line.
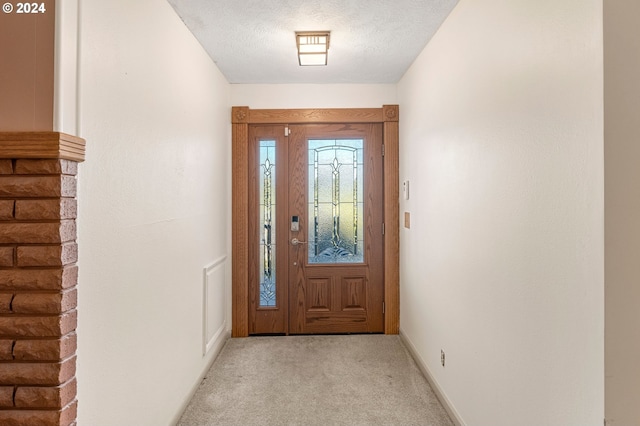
313,47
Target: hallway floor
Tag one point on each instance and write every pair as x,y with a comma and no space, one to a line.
315,380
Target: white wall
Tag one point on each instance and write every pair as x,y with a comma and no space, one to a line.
502,141
622,211
153,209
266,96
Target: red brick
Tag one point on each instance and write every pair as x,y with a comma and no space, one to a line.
46,350
46,397
64,254
37,233
6,209
6,167
6,396
38,374
43,303
52,326
64,208
41,279
5,303
6,257
65,417
6,350
45,167
69,414
38,186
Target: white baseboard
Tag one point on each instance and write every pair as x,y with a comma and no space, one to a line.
442,397
214,348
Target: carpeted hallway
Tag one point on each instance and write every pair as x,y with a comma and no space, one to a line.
315,380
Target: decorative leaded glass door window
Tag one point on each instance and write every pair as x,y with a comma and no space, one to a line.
336,203
267,226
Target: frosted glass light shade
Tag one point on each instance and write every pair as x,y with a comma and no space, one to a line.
313,48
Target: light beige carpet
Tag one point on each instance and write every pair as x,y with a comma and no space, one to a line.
315,380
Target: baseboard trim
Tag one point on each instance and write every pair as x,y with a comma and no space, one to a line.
446,403
215,348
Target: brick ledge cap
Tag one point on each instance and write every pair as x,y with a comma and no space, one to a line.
43,145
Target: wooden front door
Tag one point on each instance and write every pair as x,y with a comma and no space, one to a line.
316,249
336,257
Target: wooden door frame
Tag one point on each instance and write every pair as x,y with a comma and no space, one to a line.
241,118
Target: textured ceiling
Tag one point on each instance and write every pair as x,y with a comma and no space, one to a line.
372,41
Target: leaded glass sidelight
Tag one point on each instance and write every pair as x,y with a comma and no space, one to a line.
336,201
267,174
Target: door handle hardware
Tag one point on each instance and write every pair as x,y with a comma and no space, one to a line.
295,242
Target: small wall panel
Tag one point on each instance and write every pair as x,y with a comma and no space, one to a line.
214,306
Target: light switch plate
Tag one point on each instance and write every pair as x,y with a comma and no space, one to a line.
405,189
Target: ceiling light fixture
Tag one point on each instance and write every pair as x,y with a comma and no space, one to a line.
313,47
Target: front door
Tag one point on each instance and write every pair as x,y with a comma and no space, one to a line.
316,204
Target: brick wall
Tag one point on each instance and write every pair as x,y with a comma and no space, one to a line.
38,296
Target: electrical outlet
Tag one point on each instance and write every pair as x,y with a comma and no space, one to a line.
442,357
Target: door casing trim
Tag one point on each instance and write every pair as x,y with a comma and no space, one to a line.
241,118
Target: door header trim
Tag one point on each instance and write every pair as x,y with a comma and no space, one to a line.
241,114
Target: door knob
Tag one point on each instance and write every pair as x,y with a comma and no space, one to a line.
295,242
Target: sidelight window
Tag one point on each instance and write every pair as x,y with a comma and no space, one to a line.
267,223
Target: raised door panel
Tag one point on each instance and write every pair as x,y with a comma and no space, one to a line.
318,295
354,294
